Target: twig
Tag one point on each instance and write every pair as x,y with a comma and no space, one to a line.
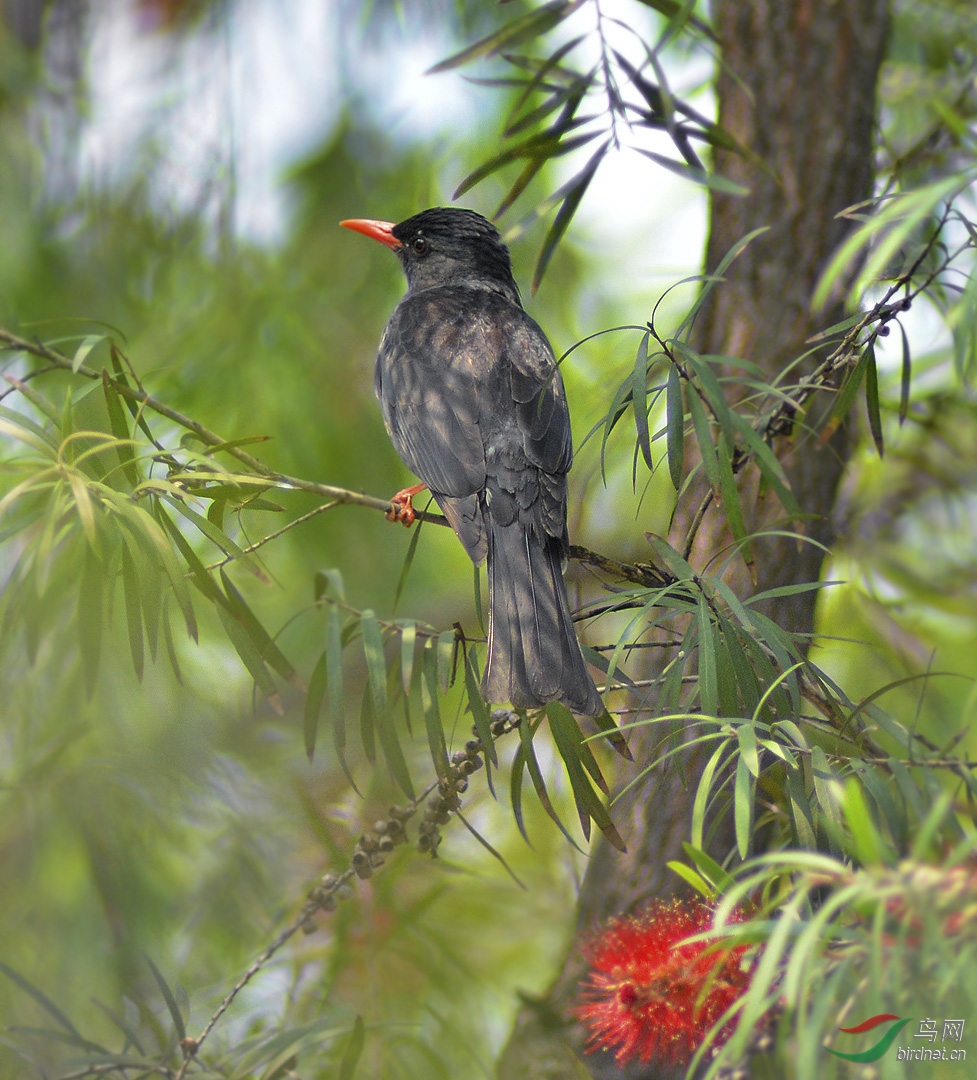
371,853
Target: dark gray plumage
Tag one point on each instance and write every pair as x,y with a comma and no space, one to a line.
475,406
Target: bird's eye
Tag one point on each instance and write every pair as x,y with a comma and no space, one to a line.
419,245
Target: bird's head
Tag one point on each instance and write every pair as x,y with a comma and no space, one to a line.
445,246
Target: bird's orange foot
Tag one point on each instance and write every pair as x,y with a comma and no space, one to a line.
402,506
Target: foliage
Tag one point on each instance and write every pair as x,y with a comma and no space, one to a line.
131,531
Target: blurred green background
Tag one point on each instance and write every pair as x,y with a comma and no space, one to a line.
149,183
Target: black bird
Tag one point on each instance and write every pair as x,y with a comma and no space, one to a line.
475,406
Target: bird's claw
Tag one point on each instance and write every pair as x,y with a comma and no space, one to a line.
401,509
402,505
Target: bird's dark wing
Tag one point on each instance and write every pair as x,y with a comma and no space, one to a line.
540,399
425,378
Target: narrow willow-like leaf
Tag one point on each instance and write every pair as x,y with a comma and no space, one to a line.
569,744
703,793
572,192
313,704
90,614
845,398
408,563
675,426
689,876
548,144
828,790
639,399
526,733
173,570
270,652
713,279
868,846
376,664
446,656
743,807
393,752
905,378
480,711
515,790
488,847
250,656
731,502
326,579
582,748
42,999
800,808
697,175
132,589
872,399
708,696
353,1050
429,705
86,346
336,698
433,725
529,26
708,867
171,1005
891,812
219,538
703,436
368,725
611,417
408,647
120,429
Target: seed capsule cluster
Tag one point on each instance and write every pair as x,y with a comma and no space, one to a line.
376,844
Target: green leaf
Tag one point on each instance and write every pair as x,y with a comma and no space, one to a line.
688,875
713,181
269,651
313,703
392,750
872,398
480,711
250,656
526,733
905,378
90,615
569,743
675,426
334,679
132,590
708,867
120,429
86,346
376,664
703,436
42,999
571,194
639,398
353,1050
712,280
708,695
446,656
171,1005
704,791
429,705
529,26
744,798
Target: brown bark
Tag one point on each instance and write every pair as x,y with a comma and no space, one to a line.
797,87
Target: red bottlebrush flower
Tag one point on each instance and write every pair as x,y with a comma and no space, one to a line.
646,998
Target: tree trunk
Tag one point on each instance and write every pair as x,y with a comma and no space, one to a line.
797,87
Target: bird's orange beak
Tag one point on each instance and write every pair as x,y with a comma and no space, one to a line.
376,230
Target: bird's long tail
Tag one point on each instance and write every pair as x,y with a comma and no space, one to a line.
533,652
